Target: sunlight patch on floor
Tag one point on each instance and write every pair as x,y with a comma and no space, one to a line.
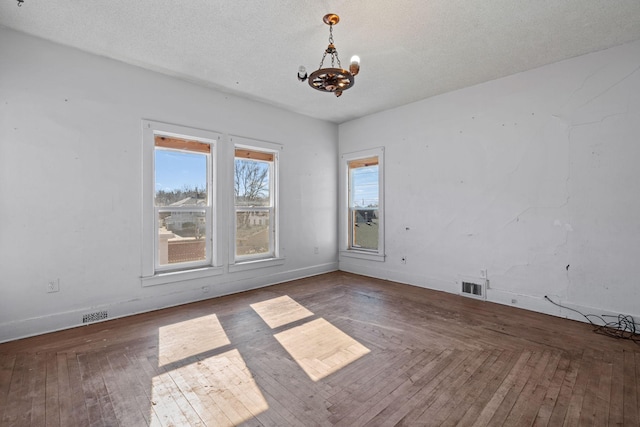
181,340
220,389
320,348
280,311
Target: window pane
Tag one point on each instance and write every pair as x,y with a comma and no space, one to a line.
363,204
181,178
253,232
364,187
181,236
251,183
364,233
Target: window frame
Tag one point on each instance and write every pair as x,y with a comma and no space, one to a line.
273,257
346,210
152,272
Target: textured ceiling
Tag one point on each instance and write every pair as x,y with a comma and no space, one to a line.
409,49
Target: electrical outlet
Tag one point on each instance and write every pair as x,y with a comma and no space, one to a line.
53,285
404,260
316,250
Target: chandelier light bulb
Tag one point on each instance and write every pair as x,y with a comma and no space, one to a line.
302,73
354,67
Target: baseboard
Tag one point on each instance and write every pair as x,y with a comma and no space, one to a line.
525,302
11,331
383,273
542,305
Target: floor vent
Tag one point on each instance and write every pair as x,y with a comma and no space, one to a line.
475,290
94,317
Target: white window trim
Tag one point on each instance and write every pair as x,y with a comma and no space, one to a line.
250,263
151,275
163,278
343,221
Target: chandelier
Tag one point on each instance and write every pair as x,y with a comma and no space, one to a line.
334,79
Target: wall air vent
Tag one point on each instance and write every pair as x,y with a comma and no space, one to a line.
474,289
94,317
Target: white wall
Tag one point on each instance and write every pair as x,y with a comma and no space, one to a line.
71,184
533,178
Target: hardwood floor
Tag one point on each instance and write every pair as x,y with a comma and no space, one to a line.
336,349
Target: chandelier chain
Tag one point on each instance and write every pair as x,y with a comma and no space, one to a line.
337,59
333,52
322,61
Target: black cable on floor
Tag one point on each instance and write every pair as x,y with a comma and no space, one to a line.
624,327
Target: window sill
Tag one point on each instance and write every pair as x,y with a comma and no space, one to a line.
253,264
363,255
179,276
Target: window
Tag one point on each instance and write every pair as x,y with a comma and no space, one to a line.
255,201
182,203
363,227
179,196
364,200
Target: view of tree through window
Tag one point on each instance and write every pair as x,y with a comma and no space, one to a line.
254,203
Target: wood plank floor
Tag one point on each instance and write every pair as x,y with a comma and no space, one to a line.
331,350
